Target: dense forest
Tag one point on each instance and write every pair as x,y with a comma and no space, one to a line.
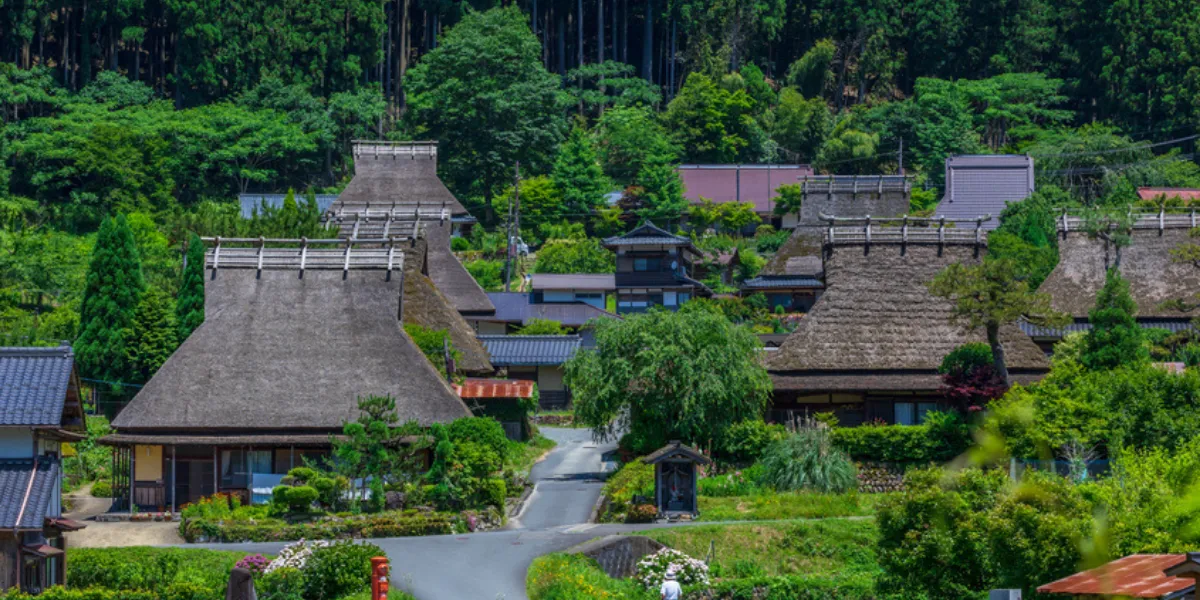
164,110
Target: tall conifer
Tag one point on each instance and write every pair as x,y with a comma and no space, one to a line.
112,290
154,335
189,306
578,175
1115,338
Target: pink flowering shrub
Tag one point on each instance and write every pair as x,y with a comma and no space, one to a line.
255,563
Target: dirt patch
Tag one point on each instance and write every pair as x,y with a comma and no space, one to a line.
109,535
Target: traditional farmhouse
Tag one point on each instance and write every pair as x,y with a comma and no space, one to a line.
1155,280
515,310
396,192
983,184
294,334
1158,576
39,409
505,400
654,269
754,184
537,358
870,348
796,289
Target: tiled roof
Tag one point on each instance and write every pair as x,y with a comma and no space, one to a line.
1150,193
23,503
781,281
531,350
647,234
978,185
514,307
494,388
756,184
573,281
254,202
1135,576
33,384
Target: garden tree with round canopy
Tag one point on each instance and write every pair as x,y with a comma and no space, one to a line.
663,375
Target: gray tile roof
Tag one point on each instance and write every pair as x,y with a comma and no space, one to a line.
531,350
253,202
1037,331
515,307
33,385
573,281
781,281
978,185
647,234
22,505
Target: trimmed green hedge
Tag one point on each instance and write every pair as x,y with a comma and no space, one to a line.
940,439
791,587
144,568
390,524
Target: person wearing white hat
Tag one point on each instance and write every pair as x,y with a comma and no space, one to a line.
670,589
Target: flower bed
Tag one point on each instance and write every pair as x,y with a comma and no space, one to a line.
386,524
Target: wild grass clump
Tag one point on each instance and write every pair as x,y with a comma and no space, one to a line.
807,460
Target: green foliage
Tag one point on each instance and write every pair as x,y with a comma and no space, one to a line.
102,489
577,577
801,125
1115,338
158,569
811,72
374,448
111,295
966,357
489,274
189,305
152,338
574,256
634,478
808,460
941,438
300,498
541,201
791,198
710,122
264,528
433,344
485,431
542,327
746,440
578,175
339,569
597,86
629,140
509,111
665,375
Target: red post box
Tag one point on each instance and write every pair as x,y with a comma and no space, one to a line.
379,578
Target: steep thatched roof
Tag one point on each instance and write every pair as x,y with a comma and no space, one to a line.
449,275
1146,263
878,327
396,174
800,249
427,306
287,353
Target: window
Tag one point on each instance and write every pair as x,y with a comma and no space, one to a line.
647,264
905,413
237,465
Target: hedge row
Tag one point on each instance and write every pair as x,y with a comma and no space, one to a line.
790,587
937,441
394,524
145,568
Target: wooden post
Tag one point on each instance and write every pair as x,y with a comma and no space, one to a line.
292,457
174,485
216,471
132,479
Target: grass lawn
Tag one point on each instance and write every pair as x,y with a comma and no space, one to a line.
832,548
522,456
789,505
393,594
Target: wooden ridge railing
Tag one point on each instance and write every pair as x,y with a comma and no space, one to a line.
395,149
1187,218
301,254
904,230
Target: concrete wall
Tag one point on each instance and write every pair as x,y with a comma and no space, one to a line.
619,555
550,378
147,463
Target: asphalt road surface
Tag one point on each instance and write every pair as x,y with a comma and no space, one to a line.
492,565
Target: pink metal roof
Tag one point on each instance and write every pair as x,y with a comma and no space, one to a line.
1135,576
494,388
739,183
1150,193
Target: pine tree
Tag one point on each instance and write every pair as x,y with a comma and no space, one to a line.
578,175
153,336
111,294
1115,339
189,306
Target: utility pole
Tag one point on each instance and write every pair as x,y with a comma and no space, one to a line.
514,215
901,157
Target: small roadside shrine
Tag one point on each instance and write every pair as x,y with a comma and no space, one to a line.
675,478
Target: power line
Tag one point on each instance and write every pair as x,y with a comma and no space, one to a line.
1119,150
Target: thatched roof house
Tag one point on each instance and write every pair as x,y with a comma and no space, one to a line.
871,346
1154,279
426,305
292,338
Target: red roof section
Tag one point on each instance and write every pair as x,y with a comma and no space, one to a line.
1135,576
756,183
1150,193
494,388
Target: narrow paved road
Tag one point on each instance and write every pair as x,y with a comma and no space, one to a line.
492,565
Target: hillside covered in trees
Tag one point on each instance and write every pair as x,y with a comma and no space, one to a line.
164,111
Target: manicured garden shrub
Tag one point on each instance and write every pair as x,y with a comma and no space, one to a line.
73,593
300,498
286,583
807,460
942,437
386,524
144,568
744,442
495,491
338,569
791,587
480,430
641,513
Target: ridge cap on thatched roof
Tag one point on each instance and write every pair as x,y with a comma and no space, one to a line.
1075,221
296,254
858,231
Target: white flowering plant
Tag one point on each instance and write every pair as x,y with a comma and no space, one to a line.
652,570
295,555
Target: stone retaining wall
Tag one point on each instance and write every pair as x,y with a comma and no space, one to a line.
877,477
618,555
